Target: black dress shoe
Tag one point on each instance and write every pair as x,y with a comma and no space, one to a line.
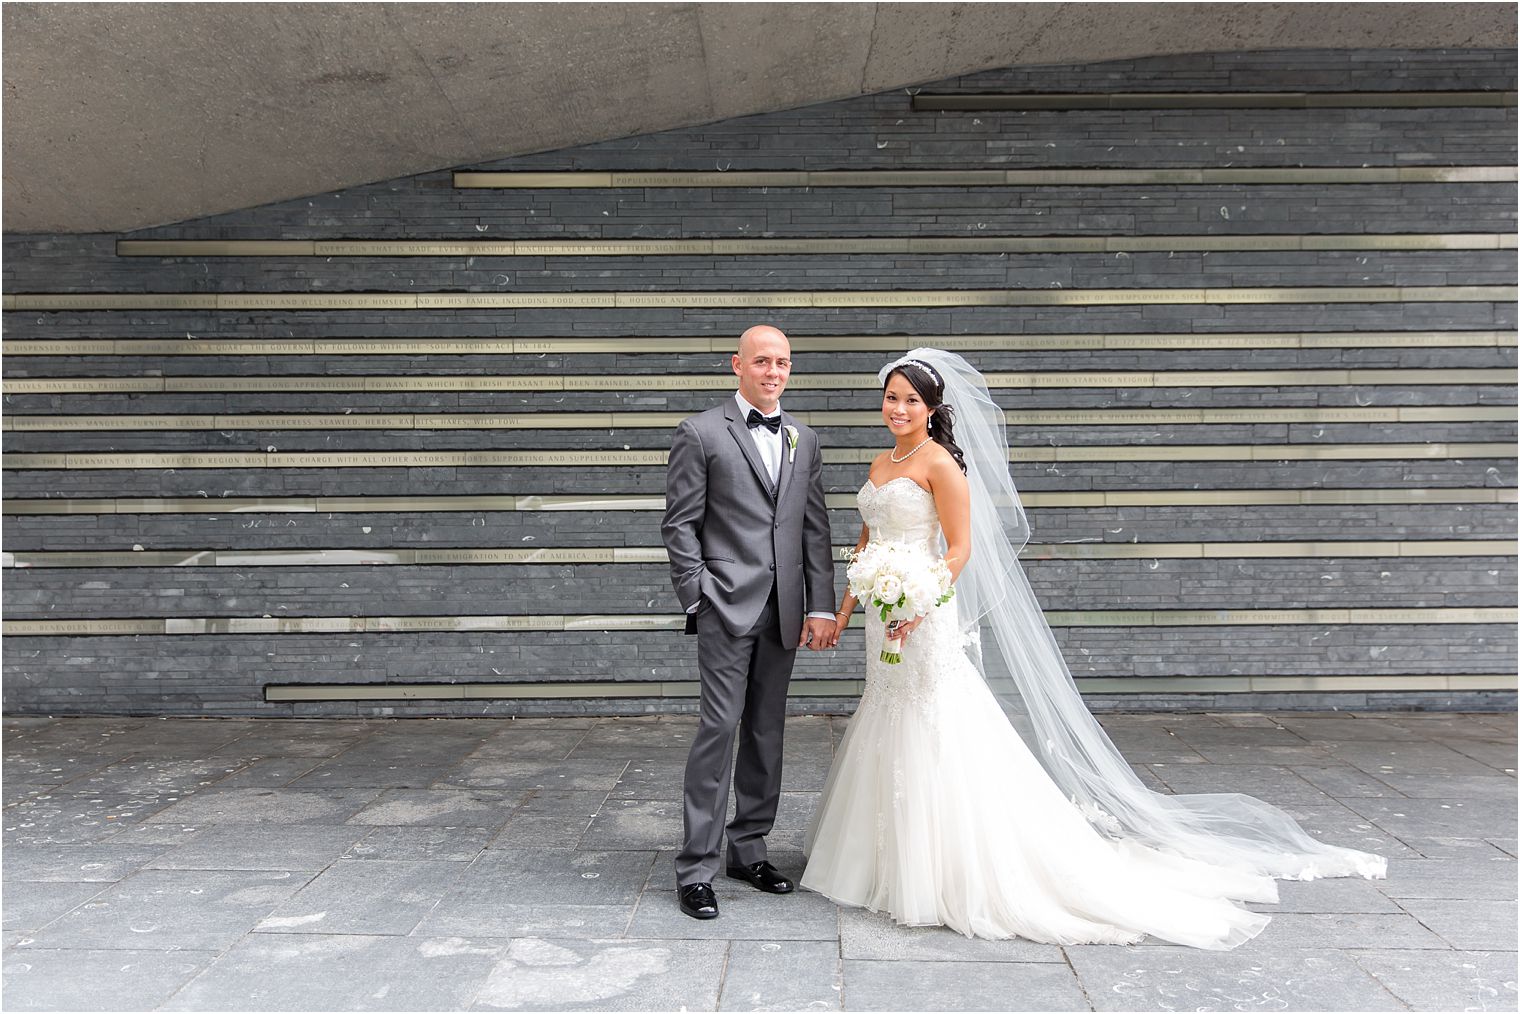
763,876
698,901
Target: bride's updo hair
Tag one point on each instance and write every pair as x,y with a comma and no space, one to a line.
930,387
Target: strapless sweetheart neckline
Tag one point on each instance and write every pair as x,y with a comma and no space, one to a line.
900,478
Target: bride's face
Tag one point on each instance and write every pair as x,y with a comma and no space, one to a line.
903,408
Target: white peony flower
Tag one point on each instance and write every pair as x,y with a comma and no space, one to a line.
922,592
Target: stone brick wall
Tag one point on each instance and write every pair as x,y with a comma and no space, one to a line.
225,673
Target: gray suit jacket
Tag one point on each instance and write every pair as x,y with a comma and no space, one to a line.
730,534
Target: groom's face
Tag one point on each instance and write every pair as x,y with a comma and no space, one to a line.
763,364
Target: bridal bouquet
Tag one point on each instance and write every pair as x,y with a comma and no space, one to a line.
902,581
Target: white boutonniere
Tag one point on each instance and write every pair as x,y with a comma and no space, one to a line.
791,444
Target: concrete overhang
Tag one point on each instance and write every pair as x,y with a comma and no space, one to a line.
120,116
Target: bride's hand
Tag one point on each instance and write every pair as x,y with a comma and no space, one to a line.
902,628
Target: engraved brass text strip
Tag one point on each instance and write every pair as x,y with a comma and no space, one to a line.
1211,100
576,690
667,420
602,502
1278,684
661,622
800,343
646,458
57,301
514,555
719,382
806,245
989,177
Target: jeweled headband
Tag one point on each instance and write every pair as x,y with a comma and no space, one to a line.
905,361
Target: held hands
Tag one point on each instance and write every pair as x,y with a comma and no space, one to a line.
841,620
818,634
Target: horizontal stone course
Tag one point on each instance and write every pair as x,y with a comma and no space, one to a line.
495,481
596,588
311,530
220,673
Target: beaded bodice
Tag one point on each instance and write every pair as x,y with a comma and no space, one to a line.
899,510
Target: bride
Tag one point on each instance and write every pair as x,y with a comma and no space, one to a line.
939,811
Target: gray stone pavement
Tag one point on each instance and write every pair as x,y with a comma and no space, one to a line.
497,864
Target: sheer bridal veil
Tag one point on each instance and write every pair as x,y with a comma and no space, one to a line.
994,597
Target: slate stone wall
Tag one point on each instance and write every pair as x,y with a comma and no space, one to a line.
225,673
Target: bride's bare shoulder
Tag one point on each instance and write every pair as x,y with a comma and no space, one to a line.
942,468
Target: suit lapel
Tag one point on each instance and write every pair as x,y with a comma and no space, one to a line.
784,475
740,433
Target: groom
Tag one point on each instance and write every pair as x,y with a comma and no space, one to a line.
748,537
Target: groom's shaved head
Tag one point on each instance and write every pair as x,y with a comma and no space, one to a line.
759,331
762,364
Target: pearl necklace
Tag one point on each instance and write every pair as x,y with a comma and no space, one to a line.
897,461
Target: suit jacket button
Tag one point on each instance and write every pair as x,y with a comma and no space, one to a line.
773,566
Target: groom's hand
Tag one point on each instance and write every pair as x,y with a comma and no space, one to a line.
817,633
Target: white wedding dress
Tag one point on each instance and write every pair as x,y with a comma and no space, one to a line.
937,813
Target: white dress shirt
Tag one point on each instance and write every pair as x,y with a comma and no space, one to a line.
766,442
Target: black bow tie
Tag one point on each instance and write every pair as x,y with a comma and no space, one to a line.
770,422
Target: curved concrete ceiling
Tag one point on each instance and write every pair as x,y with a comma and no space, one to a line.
125,115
